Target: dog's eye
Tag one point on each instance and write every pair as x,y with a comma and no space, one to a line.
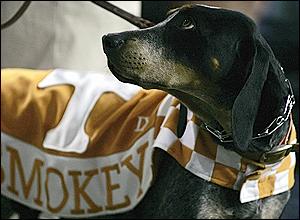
187,24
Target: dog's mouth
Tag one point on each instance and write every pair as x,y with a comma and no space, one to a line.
128,78
116,72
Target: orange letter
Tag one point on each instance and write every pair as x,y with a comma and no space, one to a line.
64,188
79,190
15,163
140,170
110,187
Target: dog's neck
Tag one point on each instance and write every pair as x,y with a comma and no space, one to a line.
214,115
218,116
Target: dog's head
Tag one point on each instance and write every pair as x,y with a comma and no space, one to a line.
213,60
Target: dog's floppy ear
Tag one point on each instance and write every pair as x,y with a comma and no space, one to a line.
246,104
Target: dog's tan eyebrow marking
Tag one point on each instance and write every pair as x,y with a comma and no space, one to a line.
215,63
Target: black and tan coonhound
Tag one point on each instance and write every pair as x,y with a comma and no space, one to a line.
216,63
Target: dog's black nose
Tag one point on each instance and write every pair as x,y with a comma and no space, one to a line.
112,41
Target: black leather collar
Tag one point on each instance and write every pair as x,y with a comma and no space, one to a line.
270,129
